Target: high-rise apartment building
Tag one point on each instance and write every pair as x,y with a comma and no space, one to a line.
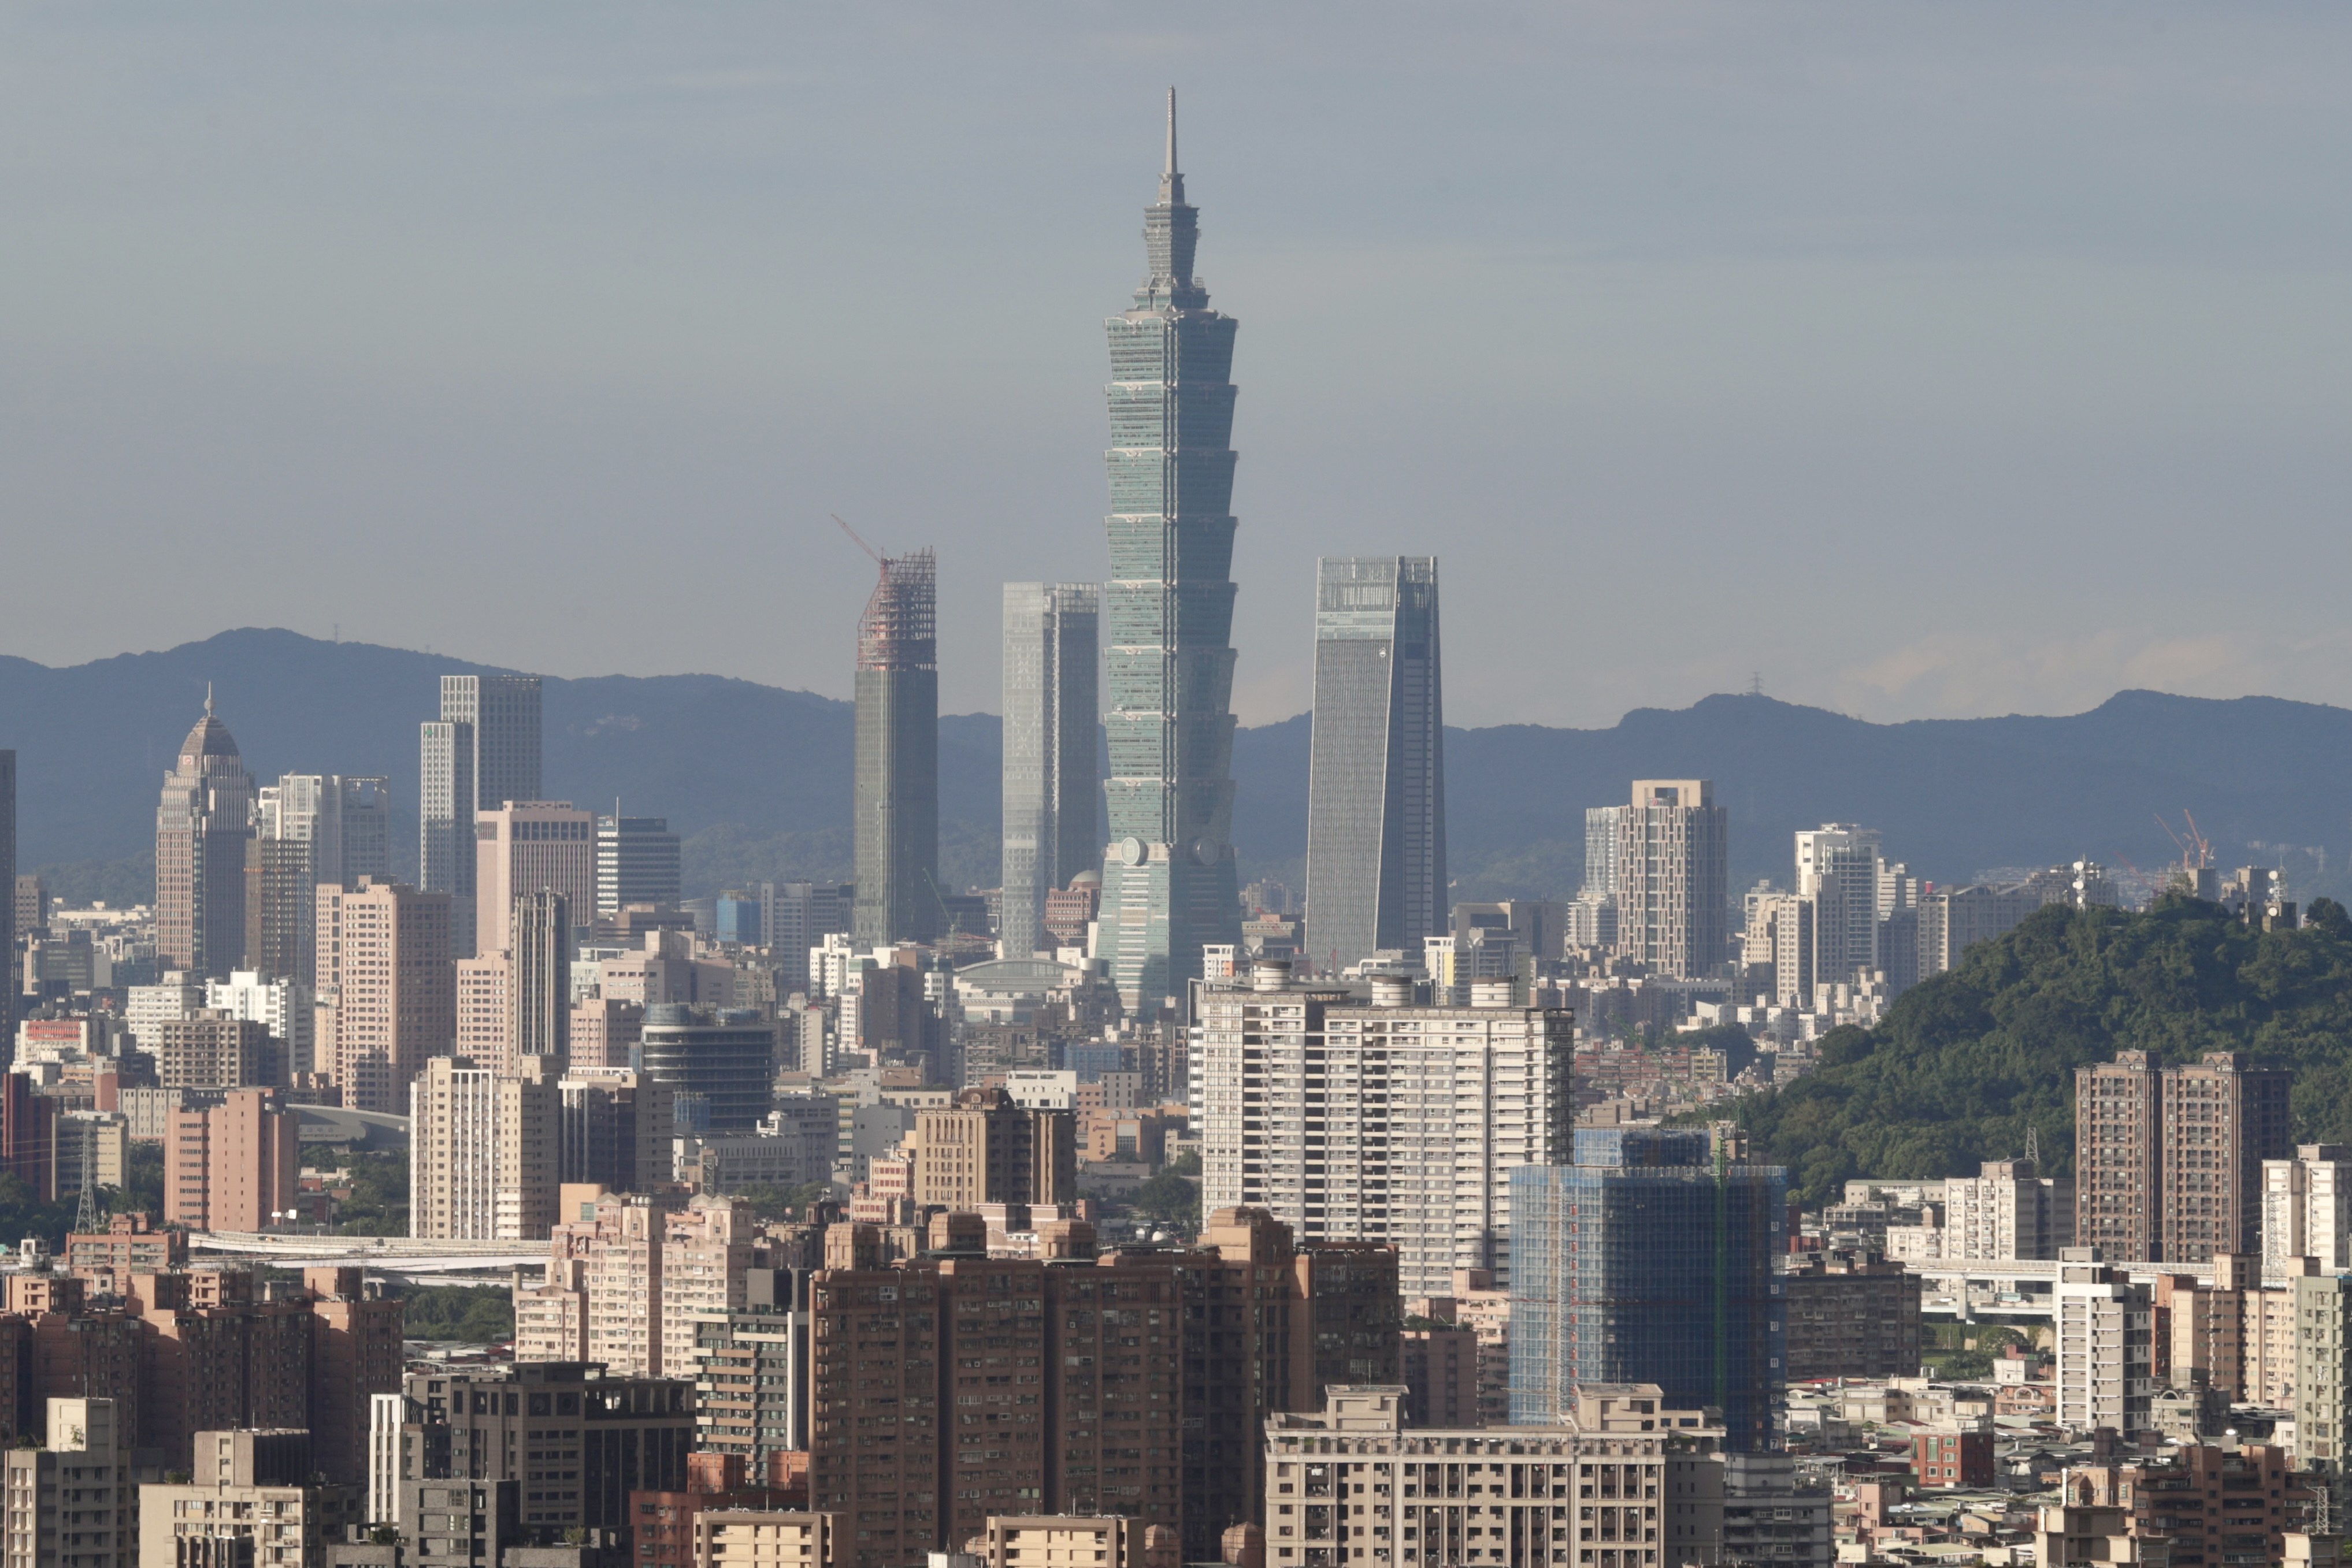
1954,919
984,1149
750,1369
1651,1260
895,832
637,862
485,1014
202,827
309,828
236,1166
582,1437
1154,1371
483,1150
795,916
1600,851
1376,787
386,989
1385,1122
617,1129
2106,1335
525,847
1779,952
1674,873
1838,867
629,1285
2169,1160
1052,729
1618,1478
2010,1209
214,1049
282,1006
482,752
2308,1207
1169,882
253,1497
72,1503
2323,1372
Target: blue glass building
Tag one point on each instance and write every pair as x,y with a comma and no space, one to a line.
1166,618
1649,1261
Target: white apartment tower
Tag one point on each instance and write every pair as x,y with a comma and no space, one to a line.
483,1158
1674,875
2308,1207
2106,1346
2009,1210
1380,1120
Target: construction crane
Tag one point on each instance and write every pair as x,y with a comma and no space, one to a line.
859,542
2196,849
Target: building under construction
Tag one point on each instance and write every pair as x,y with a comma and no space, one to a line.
897,749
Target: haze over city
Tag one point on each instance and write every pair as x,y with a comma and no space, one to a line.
1927,361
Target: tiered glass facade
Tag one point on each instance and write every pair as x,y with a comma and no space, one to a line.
1376,794
1168,882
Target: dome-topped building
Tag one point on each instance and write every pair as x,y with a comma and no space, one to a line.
202,825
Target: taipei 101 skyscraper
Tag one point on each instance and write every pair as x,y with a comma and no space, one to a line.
1166,618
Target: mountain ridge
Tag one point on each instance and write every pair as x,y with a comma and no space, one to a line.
757,778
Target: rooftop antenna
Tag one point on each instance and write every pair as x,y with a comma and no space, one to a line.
1171,131
208,699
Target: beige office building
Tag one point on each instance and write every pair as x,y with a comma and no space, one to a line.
483,1151
524,847
252,1500
386,988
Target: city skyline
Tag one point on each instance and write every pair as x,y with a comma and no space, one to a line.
1591,280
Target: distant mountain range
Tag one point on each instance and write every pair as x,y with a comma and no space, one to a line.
757,778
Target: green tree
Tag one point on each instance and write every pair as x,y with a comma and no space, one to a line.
1967,1063
477,1314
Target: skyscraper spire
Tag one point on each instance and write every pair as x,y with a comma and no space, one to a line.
208,691
1171,180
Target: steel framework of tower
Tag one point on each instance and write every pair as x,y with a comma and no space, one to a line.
897,832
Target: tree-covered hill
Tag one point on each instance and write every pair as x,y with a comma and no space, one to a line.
1964,1063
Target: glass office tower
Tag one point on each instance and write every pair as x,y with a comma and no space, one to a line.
1649,1260
1376,788
1169,886
1053,784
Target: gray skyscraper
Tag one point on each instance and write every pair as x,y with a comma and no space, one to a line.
503,711
539,982
484,752
897,830
637,862
445,811
1168,880
1053,723
309,828
1376,790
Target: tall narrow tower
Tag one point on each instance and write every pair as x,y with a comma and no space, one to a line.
1376,791
897,832
1052,717
202,826
484,752
1167,611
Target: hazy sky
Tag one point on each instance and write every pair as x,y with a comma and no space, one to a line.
1930,359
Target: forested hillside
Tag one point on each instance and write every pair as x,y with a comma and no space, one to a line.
1967,1061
